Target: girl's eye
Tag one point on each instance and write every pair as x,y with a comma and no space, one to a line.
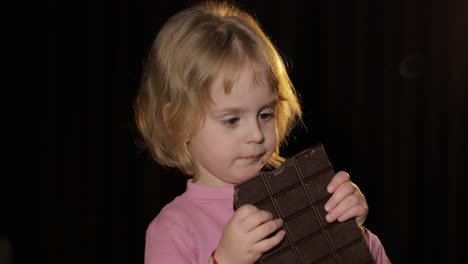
231,121
266,116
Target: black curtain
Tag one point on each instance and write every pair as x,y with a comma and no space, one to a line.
383,86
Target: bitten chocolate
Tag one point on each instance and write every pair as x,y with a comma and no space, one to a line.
296,192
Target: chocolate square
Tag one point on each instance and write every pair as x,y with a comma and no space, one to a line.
296,192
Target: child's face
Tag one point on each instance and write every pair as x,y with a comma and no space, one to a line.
238,135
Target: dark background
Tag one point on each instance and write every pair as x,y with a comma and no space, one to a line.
383,85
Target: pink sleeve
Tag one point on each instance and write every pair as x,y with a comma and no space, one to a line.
167,242
375,247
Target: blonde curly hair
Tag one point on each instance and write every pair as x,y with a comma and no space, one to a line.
187,55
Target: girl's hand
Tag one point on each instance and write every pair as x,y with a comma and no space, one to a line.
346,201
244,238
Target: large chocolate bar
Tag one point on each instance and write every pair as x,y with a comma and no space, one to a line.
296,192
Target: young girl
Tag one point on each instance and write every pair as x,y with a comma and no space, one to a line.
216,102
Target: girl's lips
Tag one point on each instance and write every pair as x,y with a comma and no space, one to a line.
255,157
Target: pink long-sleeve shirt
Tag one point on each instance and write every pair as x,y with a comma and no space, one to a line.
189,228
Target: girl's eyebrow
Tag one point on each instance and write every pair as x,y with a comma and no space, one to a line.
271,104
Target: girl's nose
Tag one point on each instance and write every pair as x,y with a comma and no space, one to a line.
255,133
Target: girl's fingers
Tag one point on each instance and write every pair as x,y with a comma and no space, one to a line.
339,178
266,229
244,211
256,219
350,207
268,243
339,210
344,190
354,211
